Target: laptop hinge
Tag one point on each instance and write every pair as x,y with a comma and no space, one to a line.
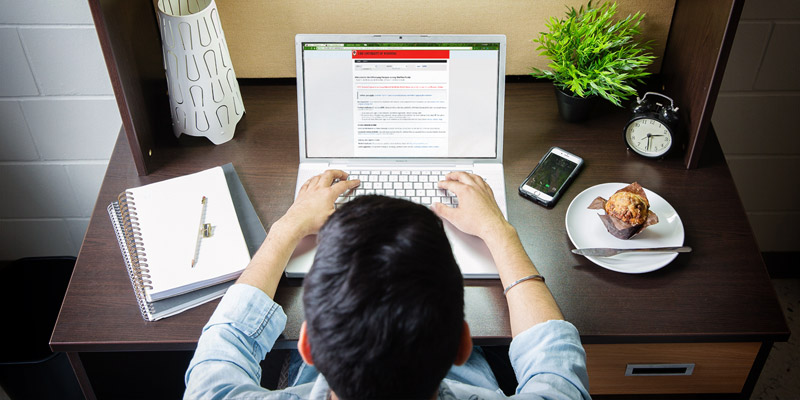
425,165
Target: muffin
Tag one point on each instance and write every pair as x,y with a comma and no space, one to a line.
627,211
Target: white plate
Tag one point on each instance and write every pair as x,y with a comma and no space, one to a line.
585,229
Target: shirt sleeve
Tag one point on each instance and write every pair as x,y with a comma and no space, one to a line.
549,360
240,333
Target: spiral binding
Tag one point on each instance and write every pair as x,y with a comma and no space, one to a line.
130,241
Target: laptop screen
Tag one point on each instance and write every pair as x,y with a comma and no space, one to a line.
409,100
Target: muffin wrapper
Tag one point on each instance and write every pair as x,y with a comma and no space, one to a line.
617,228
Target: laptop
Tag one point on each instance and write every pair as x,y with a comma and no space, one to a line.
394,103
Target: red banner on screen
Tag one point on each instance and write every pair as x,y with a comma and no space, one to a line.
400,54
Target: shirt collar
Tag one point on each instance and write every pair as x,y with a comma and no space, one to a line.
320,390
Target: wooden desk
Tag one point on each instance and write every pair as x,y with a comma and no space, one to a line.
719,295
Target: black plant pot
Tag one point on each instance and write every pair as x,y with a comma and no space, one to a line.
574,108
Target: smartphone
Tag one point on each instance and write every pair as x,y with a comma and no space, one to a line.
551,177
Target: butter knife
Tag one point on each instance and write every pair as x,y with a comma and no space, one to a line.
608,252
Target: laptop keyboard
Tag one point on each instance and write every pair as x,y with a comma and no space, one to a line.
418,186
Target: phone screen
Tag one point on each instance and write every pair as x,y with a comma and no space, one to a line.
551,174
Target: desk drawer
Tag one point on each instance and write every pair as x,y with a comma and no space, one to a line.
667,368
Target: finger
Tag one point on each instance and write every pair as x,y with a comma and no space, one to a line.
343,186
443,211
484,185
337,174
311,182
325,179
480,181
453,186
304,187
461,176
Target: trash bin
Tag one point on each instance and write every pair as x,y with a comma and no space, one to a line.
31,293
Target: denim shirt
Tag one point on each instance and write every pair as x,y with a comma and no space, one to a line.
548,358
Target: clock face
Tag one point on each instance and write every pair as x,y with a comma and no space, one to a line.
648,137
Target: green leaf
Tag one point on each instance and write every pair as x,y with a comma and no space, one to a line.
592,52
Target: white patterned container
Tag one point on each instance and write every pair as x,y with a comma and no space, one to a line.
204,95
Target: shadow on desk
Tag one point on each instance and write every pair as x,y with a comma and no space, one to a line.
119,375
137,375
32,289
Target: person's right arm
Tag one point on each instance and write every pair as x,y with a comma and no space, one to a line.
529,302
546,351
247,322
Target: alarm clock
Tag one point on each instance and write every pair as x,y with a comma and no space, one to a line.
653,129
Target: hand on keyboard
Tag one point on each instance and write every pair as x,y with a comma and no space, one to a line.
478,213
314,202
418,186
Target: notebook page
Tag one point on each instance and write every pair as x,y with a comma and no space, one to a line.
169,216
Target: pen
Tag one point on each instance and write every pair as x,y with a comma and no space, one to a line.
201,232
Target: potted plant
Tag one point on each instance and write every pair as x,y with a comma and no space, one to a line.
593,55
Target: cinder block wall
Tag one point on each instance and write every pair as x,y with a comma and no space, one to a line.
58,125
60,121
756,119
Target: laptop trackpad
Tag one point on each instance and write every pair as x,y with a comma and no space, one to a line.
471,253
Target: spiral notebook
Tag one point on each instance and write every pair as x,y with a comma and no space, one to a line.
172,267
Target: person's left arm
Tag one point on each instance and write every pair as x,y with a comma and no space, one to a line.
313,206
247,322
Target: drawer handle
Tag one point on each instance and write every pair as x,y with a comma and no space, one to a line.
659,369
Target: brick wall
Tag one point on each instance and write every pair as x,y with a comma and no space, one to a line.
59,124
756,119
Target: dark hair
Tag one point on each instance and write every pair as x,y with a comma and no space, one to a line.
384,300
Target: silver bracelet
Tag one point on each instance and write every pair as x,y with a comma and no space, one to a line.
518,281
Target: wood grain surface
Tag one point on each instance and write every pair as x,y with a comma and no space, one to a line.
718,367
718,293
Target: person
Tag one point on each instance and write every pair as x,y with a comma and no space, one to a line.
384,306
